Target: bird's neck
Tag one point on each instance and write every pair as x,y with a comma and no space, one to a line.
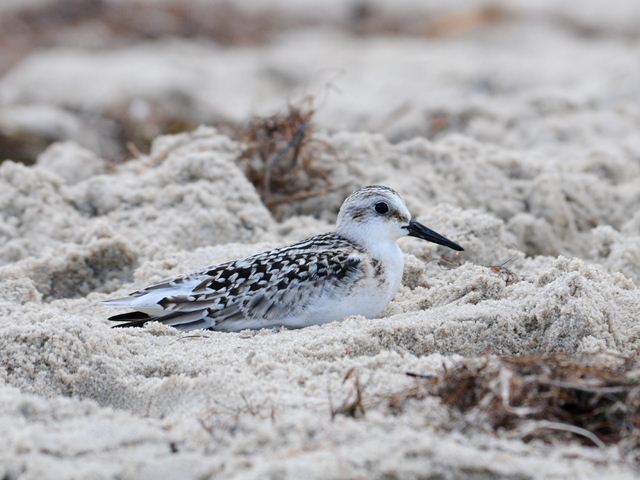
380,247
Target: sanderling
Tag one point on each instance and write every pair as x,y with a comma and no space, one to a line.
355,270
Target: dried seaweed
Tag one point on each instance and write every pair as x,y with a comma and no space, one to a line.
509,276
352,406
53,23
592,398
281,158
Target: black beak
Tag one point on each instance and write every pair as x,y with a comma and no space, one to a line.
416,229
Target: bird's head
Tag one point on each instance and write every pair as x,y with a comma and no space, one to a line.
377,213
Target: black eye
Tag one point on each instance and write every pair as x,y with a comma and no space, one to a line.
382,208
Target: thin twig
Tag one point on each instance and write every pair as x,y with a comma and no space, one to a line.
588,388
427,376
564,427
248,405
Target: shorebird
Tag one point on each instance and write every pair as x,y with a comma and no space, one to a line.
355,270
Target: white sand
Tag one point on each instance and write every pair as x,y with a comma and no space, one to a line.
264,395
540,169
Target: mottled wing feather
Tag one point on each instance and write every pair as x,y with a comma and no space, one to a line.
262,288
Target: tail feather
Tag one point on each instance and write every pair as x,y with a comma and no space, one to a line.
135,323
183,321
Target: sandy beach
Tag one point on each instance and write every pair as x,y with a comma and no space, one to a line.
130,152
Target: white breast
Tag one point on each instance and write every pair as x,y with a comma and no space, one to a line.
392,262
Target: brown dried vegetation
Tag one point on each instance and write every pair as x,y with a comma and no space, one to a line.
54,23
352,406
281,158
592,398
509,276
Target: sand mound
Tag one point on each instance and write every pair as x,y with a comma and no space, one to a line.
75,235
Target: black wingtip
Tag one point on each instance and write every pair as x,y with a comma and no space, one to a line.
129,316
131,319
136,323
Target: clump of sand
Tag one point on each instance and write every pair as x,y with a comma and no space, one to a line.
74,233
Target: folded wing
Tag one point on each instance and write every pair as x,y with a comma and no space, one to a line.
256,292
